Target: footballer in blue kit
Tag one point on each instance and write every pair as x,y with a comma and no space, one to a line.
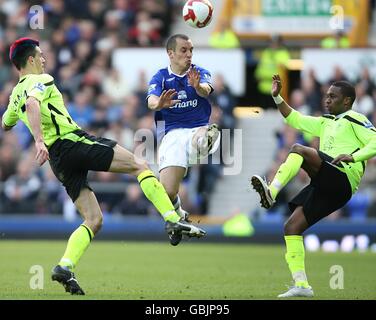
192,111
179,95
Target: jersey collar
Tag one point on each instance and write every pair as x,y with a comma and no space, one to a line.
22,78
341,115
176,75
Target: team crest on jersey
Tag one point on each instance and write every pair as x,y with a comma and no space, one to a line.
182,95
40,86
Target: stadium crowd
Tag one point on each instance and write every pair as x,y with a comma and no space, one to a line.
78,38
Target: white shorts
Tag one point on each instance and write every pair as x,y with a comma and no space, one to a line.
176,149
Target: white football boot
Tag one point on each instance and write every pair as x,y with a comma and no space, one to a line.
297,292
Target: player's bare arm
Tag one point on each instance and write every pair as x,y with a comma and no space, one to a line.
283,107
202,89
33,115
165,100
344,158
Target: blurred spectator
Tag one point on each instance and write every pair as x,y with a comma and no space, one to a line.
225,100
145,32
338,75
297,101
271,61
224,37
358,206
133,202
115,86
367,81
51,196
160,11
338,40
363,103
312,92
208,176
8,160
140,91
81,110
21,189
107,198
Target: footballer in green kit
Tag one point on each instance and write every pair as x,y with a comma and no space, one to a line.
72,152
347,141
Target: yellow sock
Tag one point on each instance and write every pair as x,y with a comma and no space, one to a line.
285,173
77,245
157,195
295,260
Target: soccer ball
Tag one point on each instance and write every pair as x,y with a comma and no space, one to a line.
198,13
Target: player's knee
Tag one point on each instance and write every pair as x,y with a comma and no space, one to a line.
289,228
297,148
139,166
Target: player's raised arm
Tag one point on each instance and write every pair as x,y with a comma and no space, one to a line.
283,107
165,100
33,115
202,89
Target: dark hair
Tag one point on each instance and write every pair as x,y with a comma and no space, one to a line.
347,89
171,42
22,49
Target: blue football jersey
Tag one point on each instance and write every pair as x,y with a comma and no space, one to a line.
192,111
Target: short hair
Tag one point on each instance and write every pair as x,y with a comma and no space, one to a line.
171,41
20,50
347,89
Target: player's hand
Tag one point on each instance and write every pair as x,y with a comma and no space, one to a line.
166,99
343,157
276,85
194,77
42,153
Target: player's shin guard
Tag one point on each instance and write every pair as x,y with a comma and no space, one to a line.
157,195
285,173
295,260
77,245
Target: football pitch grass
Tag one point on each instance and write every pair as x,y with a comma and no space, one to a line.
191,271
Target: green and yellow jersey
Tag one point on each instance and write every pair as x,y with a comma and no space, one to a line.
348,133
55,119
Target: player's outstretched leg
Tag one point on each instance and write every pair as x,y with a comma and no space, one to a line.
260,185
176,237
177,229
79,241
67,279
125,162
285,173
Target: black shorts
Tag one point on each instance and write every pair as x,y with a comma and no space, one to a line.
329,191
70,161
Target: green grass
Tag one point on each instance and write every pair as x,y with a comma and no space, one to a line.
153,271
